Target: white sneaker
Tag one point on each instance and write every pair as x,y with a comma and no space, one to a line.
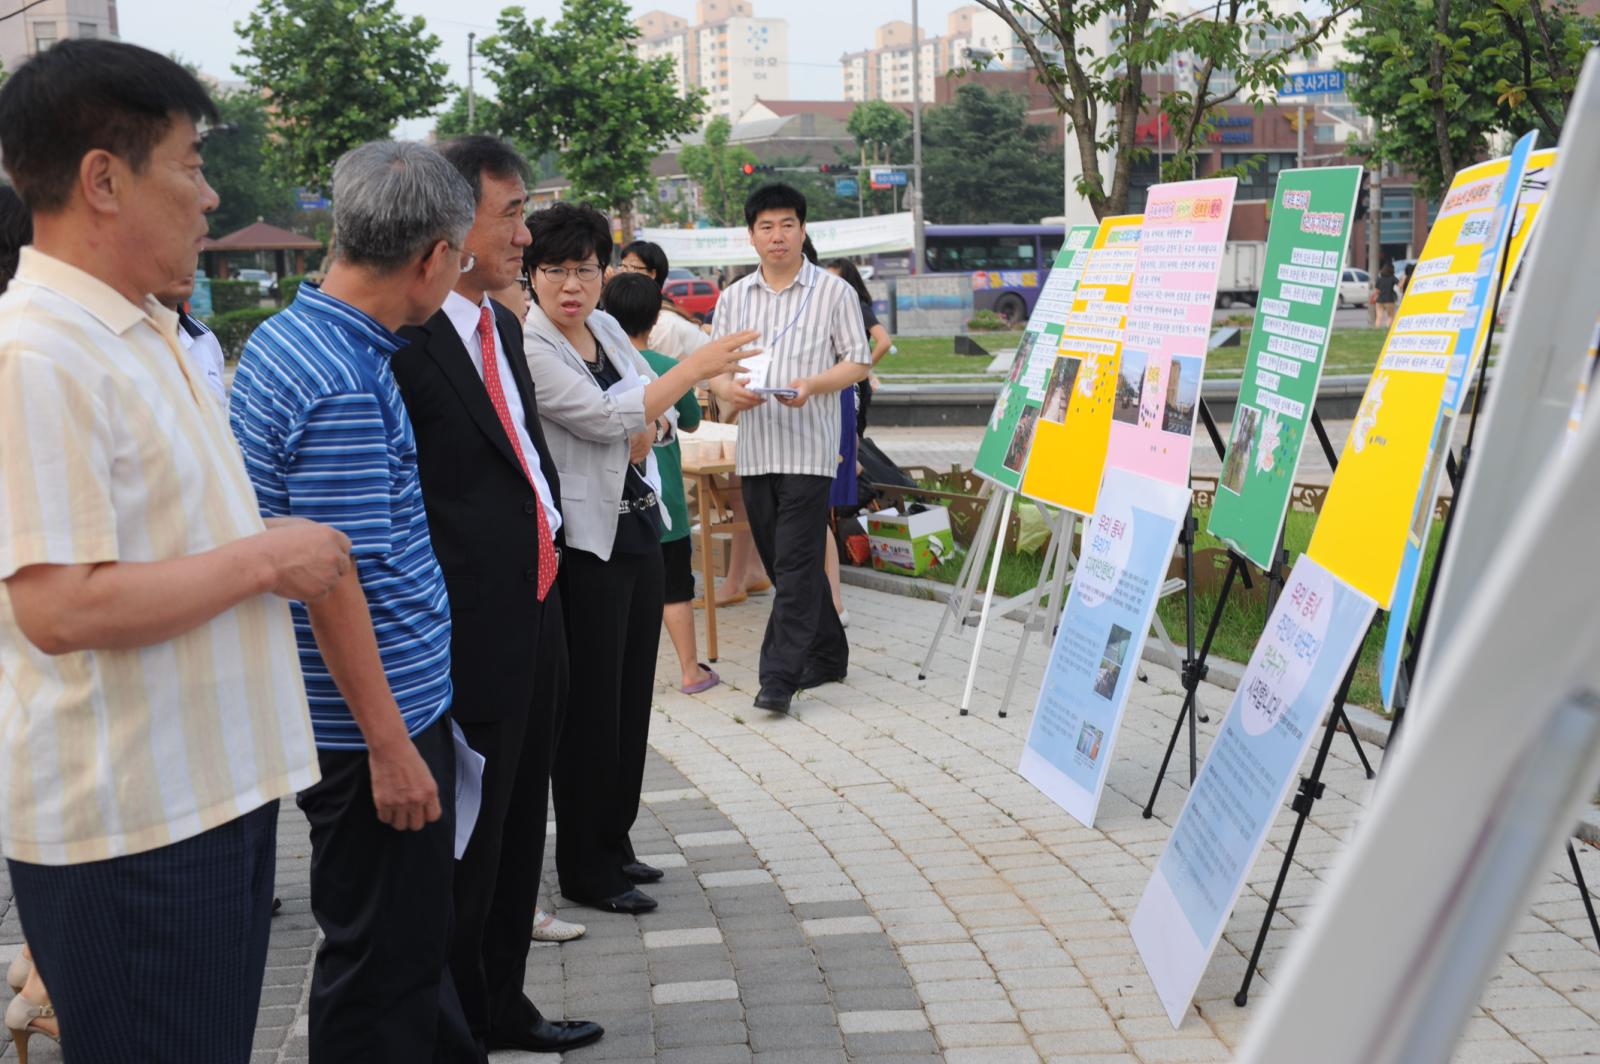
547,928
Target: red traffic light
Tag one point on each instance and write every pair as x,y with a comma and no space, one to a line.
748,168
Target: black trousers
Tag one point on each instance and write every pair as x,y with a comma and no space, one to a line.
789,521
156,955
381,990
497,878
613,630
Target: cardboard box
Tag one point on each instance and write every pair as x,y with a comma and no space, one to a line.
909,544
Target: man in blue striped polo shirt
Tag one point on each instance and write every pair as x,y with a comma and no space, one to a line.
325,436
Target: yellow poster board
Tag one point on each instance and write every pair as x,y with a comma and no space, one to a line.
1068,455
1366,520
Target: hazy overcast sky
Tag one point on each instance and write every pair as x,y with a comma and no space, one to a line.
819,31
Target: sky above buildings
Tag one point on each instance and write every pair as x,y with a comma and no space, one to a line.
820,31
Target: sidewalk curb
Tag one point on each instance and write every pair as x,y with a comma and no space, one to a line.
1369,726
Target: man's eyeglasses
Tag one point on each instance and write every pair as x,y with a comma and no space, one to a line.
586,273
526,284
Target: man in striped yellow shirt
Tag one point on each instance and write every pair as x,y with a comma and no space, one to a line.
151,705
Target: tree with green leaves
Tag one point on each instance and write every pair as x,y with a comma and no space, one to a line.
338,73
452,121
718,168
1440,80
882,132
578,86
237,167
1019,179
1103,91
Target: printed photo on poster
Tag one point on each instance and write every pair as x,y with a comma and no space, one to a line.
1130,386
1058,392
1241,447
1019,364
1089,741
1183,394
1111,659
1438,455
1021,440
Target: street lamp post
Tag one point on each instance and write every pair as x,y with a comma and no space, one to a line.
472,103
917,235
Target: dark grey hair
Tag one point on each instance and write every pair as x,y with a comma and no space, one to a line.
393,200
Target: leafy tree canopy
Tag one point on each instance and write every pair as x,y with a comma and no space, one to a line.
718,168
338,73
982,161
1440,79
578,87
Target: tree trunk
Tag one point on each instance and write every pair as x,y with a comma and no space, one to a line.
1441,114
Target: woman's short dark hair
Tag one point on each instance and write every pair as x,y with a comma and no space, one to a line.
84,95
774,198
852,276
567,232
16,229
634,300
654,259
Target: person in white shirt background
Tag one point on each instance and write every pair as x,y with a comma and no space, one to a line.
199,341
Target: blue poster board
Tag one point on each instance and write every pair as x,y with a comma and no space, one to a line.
1313,634
1127,546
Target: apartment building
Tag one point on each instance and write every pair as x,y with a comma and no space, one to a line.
727,51
33,28
973,37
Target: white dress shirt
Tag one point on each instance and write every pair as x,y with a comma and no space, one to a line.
464,315
207,354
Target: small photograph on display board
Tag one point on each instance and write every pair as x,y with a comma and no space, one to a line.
1024,389
1058,392
1021,439
1306,246
1465,358
1169,326
1366,519
1127,546
1312,636
1068,457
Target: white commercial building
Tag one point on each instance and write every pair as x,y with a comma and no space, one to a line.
727,51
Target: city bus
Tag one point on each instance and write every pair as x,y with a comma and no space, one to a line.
1004,263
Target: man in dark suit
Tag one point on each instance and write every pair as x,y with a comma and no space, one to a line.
493,500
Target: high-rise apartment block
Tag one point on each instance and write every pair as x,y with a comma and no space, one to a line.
33,28
973,37
729,52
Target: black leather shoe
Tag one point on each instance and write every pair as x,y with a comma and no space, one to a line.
817,679
639,872
547,1036
774,700
630,902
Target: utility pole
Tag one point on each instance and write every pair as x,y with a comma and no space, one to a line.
1300,136
917,235
472,103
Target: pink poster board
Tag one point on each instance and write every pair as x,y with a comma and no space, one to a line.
1169,325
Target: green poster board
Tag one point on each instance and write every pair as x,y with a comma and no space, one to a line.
1009,435
1310,228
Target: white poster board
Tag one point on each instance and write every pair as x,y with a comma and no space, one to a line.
1313,634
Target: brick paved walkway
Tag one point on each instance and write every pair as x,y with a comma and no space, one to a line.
872,881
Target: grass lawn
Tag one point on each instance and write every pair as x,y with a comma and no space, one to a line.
1246,614
1350,351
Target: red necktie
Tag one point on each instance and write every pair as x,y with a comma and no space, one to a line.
497,398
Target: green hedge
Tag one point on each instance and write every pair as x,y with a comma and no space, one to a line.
234,295
288,287
235,327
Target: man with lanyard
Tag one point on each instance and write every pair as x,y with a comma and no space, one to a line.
814,346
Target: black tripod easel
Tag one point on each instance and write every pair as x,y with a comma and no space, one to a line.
1195,667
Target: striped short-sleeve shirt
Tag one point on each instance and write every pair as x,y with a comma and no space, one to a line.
325,436
113,450
808,328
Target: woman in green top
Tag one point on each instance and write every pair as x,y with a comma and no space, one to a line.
635,302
